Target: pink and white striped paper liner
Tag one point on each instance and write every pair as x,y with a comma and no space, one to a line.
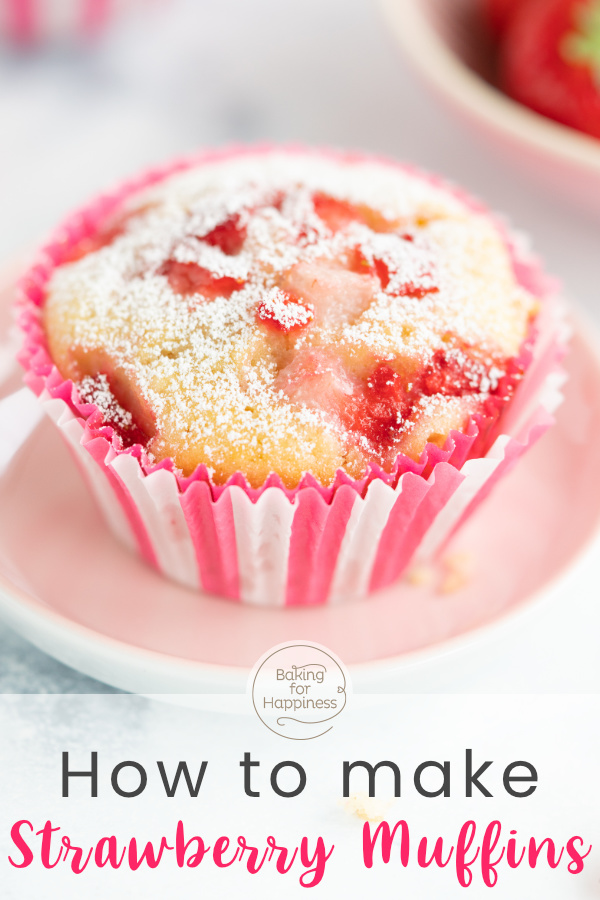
274,546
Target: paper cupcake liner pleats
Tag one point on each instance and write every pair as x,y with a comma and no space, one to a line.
272,545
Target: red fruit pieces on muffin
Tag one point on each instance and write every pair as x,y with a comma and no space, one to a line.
291,313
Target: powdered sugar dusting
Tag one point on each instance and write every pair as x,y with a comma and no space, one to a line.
284,312
232,275
97,390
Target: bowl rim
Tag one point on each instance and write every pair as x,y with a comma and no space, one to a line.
445,71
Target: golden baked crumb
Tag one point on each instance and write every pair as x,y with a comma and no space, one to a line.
290,313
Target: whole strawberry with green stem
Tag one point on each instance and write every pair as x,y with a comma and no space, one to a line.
550,60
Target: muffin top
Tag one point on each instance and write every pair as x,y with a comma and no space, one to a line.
290,313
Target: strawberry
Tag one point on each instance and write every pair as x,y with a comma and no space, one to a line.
378,411
317,379
335,213
550,60
373,408
416,283
338,214
190,278
282,311
498,14
228,236
453,375
334,293
101,380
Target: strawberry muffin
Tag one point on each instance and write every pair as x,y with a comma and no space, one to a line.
290,314
287,373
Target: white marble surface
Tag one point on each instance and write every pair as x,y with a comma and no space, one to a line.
189,73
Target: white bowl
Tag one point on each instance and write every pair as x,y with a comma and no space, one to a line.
446,42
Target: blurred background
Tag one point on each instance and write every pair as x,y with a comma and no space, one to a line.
93,90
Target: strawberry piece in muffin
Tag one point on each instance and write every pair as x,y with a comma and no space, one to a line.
284,312
317,379
228,236
335,293
291,313
190,278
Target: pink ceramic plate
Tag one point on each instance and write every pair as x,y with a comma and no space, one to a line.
70,588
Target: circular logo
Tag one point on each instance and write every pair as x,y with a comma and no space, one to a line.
298,689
